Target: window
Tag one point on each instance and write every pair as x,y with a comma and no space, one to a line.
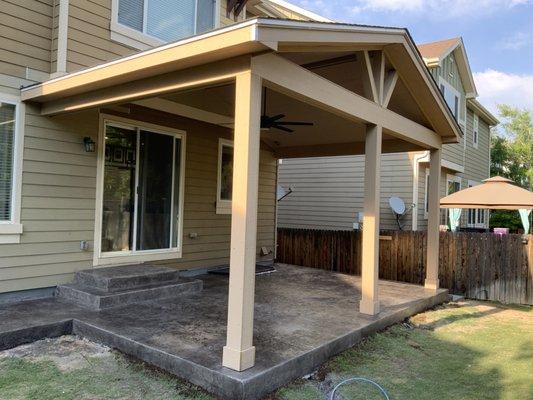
477,218
453,99
140,193
162,21
225,176
11,137
453,184
475,131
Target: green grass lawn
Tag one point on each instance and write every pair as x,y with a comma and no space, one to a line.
468,350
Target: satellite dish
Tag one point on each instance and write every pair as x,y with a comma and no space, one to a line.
397,205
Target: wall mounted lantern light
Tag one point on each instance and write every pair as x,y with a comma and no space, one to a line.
89,144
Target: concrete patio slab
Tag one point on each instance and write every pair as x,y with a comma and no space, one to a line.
303,317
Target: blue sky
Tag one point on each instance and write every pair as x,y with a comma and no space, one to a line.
498,35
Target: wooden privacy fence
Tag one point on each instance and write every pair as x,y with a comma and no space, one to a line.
478,265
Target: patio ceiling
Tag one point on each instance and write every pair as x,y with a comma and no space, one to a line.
291,57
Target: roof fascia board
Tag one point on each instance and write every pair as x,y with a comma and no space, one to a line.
487,116
198,76
242,32
298,10
295,81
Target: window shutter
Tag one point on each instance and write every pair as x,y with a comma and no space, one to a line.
130,13
7,143
171,19
205,20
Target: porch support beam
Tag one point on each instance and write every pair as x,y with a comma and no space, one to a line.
343,149
204,75
432,272
370,252
295,81
239,352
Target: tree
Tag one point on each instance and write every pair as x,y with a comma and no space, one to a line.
512,157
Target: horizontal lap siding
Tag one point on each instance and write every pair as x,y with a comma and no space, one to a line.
89,35
328,192
58,200
58,197
26,36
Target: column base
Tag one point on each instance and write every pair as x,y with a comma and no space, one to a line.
238,360
431,284
369,307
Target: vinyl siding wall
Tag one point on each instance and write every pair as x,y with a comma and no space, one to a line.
450,73
477,168
328,192
58,200
89,34
25,42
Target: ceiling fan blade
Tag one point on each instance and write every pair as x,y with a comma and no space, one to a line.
272,119
282,128
295,123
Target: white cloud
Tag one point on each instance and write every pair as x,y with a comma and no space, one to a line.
517,41
496,87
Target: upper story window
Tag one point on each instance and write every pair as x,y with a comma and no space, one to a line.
145,23
475,131
454,101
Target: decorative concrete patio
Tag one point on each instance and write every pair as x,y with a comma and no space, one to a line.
303,316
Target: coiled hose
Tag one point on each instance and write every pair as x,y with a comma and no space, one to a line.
359,379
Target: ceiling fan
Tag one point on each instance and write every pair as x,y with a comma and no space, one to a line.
275,121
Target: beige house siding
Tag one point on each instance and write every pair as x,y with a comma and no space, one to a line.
58,200
89,35
450,73
328,191
477,168
26,41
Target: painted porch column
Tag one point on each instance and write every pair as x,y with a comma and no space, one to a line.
432,272
239,352
370,253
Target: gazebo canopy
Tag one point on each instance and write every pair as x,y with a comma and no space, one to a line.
495,193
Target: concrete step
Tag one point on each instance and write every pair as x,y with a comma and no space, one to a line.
97,299
120,278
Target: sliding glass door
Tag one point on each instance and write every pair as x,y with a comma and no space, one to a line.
141,190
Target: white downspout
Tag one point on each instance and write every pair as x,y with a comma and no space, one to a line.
421,157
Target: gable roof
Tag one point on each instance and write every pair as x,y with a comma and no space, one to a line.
434,53
249,37
438,50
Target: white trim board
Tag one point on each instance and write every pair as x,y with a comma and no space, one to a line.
10,231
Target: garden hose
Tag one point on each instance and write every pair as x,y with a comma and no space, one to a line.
359,379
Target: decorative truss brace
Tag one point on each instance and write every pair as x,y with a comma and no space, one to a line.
378,82
236,6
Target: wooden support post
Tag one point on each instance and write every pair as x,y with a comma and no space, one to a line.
239,352
432,272
370,254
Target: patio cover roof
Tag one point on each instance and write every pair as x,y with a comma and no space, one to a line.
495,193
218,56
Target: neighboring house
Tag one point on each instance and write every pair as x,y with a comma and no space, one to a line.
327,193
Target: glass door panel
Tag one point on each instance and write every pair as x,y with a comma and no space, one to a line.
119,189
154,207
141,193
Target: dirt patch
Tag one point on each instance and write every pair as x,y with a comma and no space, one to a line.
68,353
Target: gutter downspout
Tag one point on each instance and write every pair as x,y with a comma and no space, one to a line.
417,159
